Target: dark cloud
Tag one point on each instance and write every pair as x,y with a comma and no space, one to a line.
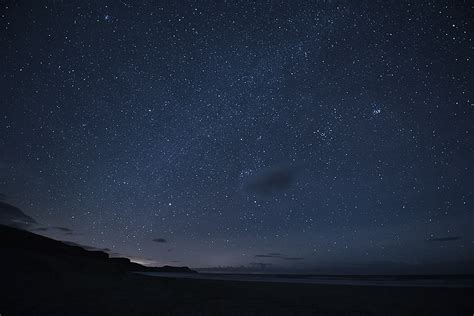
40,229
86,247
293,258
443,239
266,256
65,230
271,181
13,216
160,240
278,256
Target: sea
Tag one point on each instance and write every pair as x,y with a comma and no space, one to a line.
458,281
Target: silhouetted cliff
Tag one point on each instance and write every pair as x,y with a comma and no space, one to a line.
23,250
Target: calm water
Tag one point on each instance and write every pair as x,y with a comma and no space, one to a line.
419,281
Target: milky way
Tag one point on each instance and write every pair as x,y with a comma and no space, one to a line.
290,135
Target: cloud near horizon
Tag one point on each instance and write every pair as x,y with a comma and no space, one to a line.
90,248
443,239
65,230
278,255
14,217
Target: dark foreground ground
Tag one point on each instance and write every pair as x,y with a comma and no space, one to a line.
132,294
42,276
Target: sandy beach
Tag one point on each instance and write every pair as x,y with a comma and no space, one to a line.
132,294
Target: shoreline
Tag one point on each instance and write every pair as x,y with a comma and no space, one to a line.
381,281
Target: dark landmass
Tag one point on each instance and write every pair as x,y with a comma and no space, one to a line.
35,252
41,276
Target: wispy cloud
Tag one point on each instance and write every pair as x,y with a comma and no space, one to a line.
86,247
278,255
443,239
13,216
65,230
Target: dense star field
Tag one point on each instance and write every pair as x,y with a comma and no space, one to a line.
311,136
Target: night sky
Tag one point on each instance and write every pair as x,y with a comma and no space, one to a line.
297,135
